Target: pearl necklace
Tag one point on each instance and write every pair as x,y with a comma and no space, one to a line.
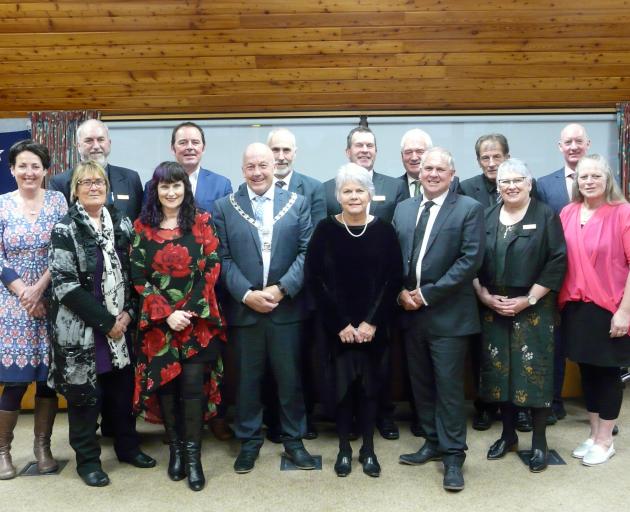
348,229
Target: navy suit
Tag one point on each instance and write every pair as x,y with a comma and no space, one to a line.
436,335
126,188
552,189
388,193
274,336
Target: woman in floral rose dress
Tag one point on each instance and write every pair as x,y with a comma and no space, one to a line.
174,268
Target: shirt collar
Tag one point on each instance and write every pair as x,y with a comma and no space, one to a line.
411,179
268,194
439,200
568,171
286,179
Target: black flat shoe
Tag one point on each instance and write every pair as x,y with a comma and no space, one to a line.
343,465
538,461
453,479
423,455
311,430
245,461
388,429
96,478
482,420
500,447
140,460
371,467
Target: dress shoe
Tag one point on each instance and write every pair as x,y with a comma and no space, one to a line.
140,460
559,410
551,419
300,457
583,449
371,467
96,478
482,420
453,478
615,430
388,429
221,429
423,455
311,430
416,429
598,455
538,460
274,434
524,421
343,464
245,461
500,447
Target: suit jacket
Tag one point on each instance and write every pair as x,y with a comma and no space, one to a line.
454,186
126,188
241,256
313,191
552,189
538,254
391,189
453,255
475,187
210,187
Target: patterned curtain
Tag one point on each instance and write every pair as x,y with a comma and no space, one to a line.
57,131
623,121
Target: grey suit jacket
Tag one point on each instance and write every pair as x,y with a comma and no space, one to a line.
453,255
241,256
126,188
313,191
552,189
388,193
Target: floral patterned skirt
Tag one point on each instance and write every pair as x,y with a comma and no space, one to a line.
517,354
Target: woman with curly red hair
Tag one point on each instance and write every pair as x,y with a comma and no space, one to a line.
174,268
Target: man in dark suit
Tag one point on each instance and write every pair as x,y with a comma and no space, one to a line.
412,146
283,145
264,232
93,143
441,236
188,144
555,190
389,191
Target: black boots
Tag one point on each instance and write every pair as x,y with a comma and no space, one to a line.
192,443
170,415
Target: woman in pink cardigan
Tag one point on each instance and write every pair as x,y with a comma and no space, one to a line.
595,298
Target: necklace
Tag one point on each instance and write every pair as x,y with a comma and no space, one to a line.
348,229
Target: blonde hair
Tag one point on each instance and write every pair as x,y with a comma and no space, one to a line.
612,192
83,169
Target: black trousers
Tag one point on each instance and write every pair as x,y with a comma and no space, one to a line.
279,346
115,388
436,369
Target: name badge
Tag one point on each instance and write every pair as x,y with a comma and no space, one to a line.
124,197
378,198
529,226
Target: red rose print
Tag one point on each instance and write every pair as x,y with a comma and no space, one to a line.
172,260
204,234
168,373
152,342
202,333
156,307
147,231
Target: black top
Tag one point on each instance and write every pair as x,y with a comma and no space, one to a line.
354,279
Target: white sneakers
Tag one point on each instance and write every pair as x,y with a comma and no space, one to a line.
583,449
598,455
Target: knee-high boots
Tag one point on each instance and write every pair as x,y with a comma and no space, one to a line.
171,412
8,420
192,443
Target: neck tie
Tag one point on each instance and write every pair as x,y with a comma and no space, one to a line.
418,235
259,208
416,190
280,184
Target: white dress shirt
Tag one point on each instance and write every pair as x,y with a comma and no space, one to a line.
193,178
411,183
286,179
265,231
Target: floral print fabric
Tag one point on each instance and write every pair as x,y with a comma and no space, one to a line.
173,271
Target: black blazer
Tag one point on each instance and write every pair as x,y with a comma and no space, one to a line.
388,193
537,255
475,187
453,256
126,188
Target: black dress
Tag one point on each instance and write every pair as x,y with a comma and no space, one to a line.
354,279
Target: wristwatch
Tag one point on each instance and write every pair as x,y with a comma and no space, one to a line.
532,300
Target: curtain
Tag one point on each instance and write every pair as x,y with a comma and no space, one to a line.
623,121
57,131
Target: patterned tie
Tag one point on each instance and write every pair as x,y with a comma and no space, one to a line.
280,184
259,209
418,235
416,190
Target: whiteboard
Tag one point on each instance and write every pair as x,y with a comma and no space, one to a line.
321,141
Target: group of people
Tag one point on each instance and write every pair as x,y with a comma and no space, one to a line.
122,298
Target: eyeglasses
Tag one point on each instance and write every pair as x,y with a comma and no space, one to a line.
98,183
513,181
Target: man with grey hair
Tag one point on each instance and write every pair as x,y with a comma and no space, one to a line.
441,235
412,146
555,190
93,143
